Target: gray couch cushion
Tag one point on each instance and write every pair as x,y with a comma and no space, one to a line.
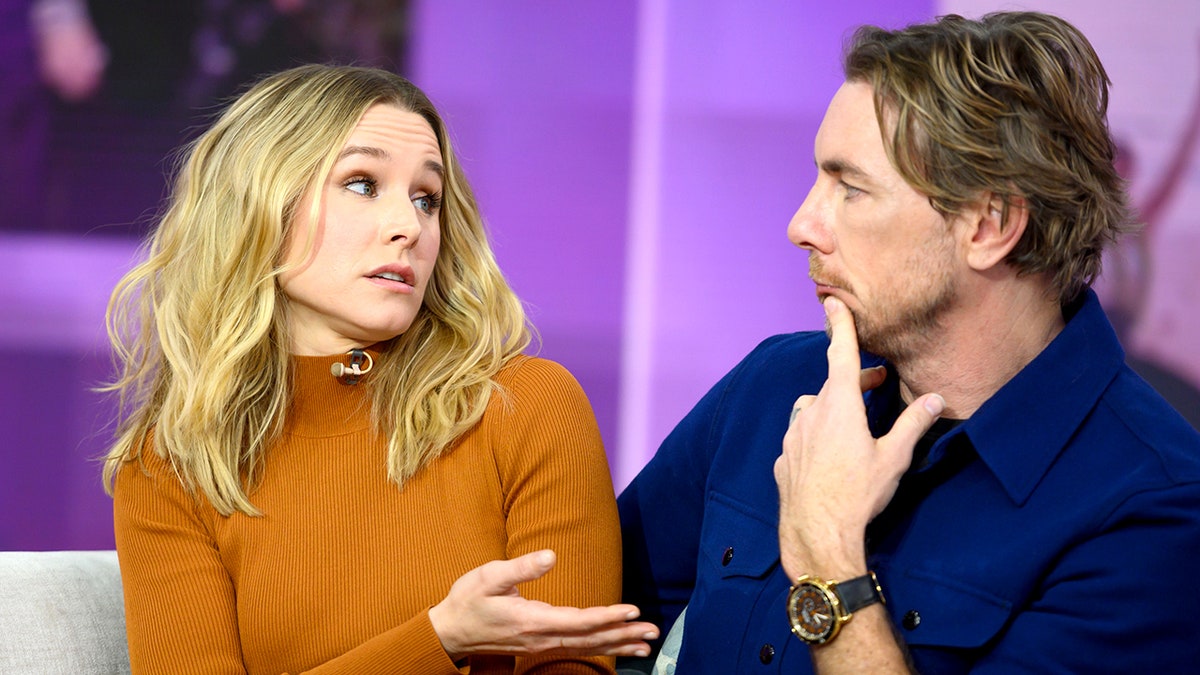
61,612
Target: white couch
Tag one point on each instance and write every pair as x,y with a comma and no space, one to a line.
62,612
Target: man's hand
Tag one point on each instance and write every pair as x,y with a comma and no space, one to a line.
833,476
484,614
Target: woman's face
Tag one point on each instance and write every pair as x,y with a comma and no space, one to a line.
363,278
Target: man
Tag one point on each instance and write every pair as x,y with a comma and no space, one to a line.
995,491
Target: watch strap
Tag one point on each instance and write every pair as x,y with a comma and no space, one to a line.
859,592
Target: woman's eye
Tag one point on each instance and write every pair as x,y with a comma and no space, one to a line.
362,186
428,204
850,190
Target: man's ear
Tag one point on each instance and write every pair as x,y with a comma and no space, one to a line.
995,227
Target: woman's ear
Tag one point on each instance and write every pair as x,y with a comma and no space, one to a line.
997,224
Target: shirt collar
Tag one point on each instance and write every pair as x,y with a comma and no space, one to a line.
1020,431
1022,428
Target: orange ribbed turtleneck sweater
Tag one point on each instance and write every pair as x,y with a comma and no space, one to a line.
338,573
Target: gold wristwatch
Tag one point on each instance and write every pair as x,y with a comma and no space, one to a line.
817,608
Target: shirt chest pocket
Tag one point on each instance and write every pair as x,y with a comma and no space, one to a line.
735,541
933,610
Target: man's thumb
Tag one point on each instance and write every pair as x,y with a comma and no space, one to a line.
916,419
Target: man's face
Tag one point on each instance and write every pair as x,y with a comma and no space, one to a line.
875,243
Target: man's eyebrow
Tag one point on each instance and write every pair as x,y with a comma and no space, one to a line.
840,167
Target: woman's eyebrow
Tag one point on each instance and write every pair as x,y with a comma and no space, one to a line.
369,150
381,154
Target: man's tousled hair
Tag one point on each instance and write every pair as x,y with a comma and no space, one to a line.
1014,104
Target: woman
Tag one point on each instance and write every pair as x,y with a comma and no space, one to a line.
330,428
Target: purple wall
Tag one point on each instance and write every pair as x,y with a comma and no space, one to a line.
723,159
537,97
52,425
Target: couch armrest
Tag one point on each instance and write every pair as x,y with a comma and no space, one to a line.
61,612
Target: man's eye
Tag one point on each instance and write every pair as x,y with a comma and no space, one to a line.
362,186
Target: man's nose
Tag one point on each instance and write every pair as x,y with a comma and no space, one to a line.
809,227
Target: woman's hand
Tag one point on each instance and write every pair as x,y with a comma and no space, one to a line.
484,614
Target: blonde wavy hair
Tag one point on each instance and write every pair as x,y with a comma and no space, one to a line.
1014,103
199,328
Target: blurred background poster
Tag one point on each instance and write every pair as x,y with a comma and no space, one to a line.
637,162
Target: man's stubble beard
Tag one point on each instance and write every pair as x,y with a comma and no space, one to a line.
894,332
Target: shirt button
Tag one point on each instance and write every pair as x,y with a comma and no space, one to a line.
766,654
912,619
727,558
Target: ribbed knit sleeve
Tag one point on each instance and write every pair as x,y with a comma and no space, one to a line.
558,494
180,610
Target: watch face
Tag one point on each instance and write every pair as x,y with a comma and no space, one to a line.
811,613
